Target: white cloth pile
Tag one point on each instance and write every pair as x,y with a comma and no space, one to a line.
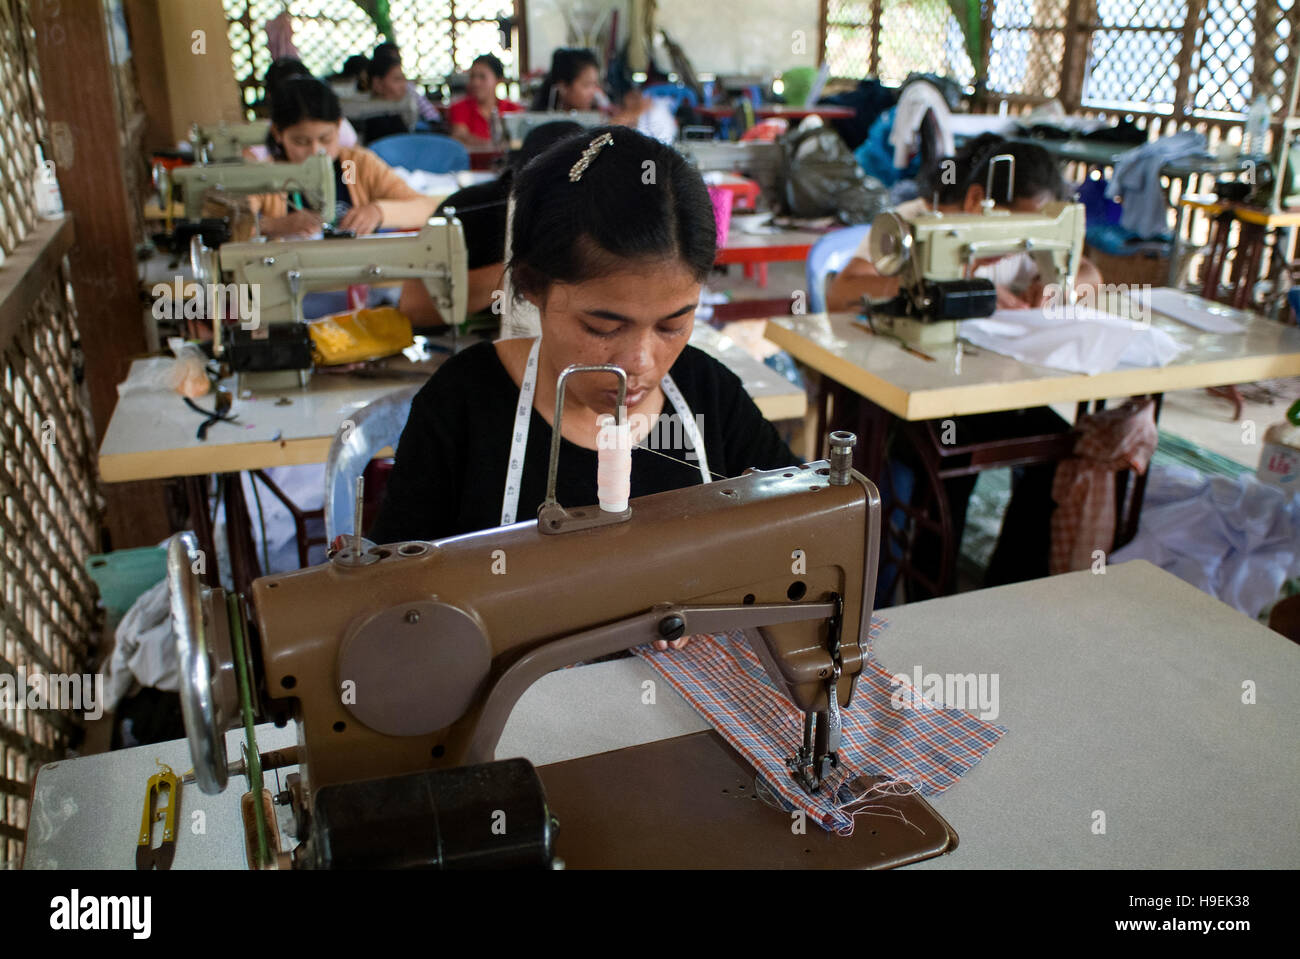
1238,540
144,650
916,99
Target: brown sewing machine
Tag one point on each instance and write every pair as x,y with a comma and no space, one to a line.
401,662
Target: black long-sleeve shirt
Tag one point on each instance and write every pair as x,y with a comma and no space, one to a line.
450,469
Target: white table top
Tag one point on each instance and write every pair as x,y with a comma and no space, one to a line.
151,434
740,240
775,396
1122,694
916,389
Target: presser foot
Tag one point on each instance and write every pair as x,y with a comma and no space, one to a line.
813,763
810,773
822,732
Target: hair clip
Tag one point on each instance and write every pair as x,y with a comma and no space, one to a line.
589,154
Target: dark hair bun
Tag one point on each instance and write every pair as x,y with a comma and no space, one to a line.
637,199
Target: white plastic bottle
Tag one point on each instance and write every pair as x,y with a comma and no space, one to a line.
49,201
1254,136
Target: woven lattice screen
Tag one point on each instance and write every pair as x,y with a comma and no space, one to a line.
1132,51
1185,60
21,125
47,530
436,38
890,39
1027,46
49,515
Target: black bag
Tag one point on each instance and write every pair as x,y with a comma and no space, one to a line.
821,178
868,99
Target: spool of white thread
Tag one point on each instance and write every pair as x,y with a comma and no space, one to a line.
613,464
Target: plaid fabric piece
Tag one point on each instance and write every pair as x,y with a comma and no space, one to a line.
913,749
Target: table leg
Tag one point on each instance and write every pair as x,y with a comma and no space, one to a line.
870,423
197,494
1129,528
1214,259
244,567
1251,243
1179,216
821,403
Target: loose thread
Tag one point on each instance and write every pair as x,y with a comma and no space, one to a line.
694,466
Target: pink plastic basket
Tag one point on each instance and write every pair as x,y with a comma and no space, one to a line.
722,202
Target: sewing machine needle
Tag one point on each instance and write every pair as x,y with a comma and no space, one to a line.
356,516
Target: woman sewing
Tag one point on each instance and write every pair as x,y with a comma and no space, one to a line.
959,184
572,83
305,120
481,209
475,119
614,266
1024,541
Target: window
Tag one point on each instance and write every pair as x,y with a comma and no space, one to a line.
436,38
1133,64
890,39
1203,59
1027,46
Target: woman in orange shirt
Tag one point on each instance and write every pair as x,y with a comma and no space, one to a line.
369,195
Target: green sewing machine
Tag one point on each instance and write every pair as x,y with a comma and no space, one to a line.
934,255
227,141
313,178
270,346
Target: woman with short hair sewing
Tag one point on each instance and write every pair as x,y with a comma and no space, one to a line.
613,260
1024,541
1037,182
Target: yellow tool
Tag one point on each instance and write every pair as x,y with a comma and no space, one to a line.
163,782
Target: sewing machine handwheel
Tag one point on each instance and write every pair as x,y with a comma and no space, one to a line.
203,261
209,697
889,244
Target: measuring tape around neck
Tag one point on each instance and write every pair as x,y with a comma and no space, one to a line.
524,418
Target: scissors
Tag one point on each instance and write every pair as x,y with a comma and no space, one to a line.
162,784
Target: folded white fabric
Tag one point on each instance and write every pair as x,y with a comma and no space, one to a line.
1193,310
1077,339
913,102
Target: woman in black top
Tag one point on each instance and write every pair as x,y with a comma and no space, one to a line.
612,236
481,210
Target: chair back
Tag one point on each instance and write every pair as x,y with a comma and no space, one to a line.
430,152
672,91
360,438
829,255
